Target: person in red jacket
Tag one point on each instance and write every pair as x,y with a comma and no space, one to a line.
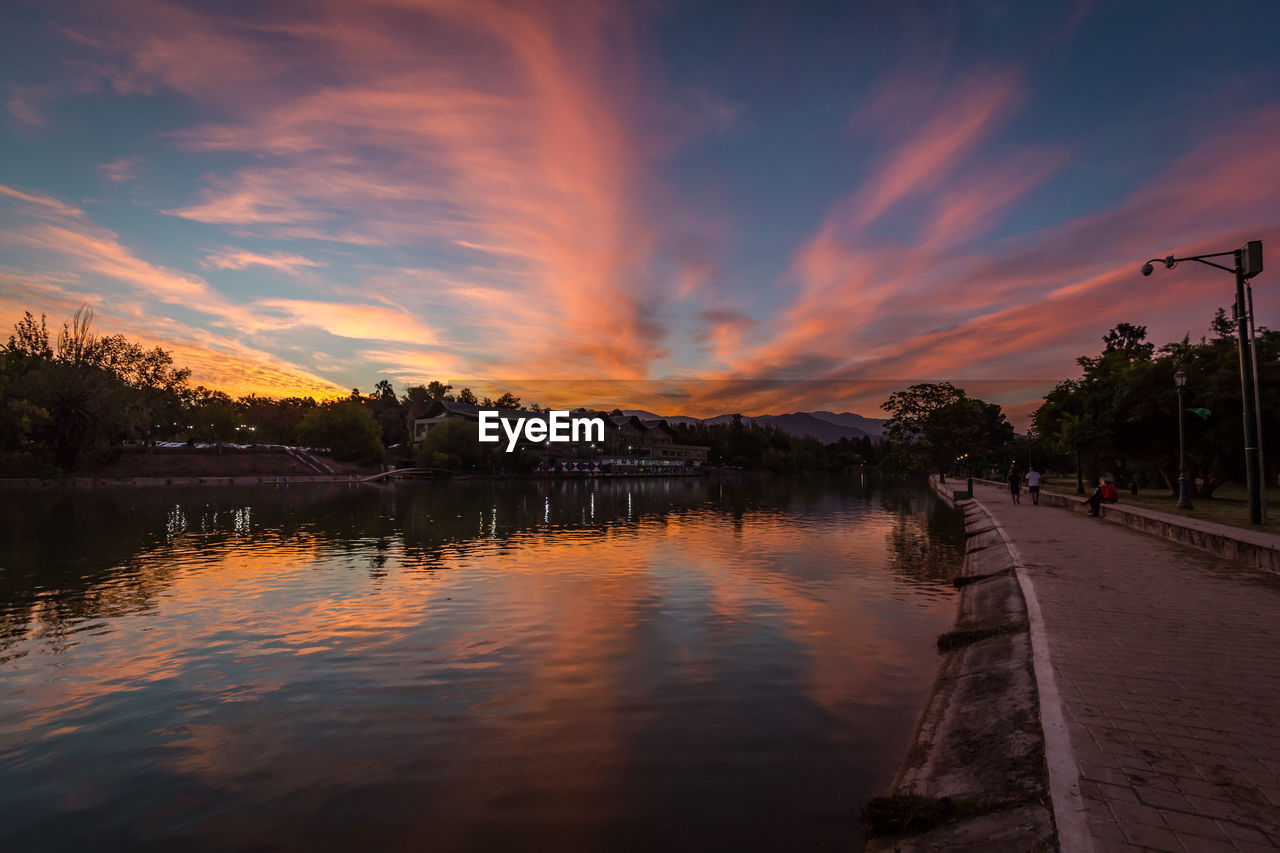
1106,493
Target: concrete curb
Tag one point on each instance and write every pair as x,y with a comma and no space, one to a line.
1064,772
1253,548
978,739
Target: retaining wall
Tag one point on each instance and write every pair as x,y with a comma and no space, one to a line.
979,740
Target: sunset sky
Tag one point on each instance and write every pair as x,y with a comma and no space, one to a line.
688,207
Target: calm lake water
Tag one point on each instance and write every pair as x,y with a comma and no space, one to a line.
683,664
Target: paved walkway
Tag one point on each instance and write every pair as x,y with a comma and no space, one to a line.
1167,660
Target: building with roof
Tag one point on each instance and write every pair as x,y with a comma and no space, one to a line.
626,438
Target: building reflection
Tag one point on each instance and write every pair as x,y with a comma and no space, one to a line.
87,554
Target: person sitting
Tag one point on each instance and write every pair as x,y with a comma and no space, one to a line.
1106,493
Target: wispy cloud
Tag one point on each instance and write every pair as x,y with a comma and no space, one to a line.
345,320
520,140
954,302
65,259
65,236
121,169
239,259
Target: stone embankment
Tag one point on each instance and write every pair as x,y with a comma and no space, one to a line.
975,777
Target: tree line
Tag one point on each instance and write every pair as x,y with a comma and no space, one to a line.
1118,419
75,397
1120,416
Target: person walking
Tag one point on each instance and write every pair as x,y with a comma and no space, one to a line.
1033,485
1015,484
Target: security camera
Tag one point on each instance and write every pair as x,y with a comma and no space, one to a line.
1146,269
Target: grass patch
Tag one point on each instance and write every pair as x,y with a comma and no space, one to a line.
961,637
913,814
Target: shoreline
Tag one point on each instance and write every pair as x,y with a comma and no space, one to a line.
975,775
374,479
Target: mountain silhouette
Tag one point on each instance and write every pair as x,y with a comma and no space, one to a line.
826,427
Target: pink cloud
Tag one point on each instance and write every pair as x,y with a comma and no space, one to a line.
57,230
345,320
942,309
516,141
239,259
121,169
65,259
972,112
23,104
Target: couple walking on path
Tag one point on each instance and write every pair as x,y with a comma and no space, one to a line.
1015,485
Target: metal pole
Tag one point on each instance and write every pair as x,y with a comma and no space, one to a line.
1079,474
1257,397
1249,412
1184,481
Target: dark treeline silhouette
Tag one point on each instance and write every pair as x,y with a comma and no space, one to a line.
1121,414
76,398
751,446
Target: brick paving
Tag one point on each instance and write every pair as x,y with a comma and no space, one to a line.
1167,660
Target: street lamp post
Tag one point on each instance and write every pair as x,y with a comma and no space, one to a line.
1079,473
1184,480
1248,263
968,470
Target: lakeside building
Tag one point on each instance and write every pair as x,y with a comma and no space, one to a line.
627,439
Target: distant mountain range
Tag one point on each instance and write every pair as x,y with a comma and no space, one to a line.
826,427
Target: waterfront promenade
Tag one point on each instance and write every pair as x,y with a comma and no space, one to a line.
1167,663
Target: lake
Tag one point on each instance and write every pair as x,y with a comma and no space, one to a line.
587,665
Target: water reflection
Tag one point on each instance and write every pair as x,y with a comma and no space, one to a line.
536,665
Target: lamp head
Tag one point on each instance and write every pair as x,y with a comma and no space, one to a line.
1147,269
1180,379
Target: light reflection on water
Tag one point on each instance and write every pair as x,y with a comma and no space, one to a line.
458,666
